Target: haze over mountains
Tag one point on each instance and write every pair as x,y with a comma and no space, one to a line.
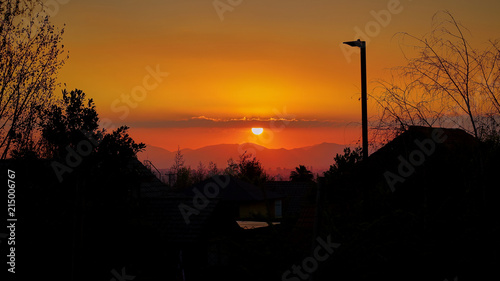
317,158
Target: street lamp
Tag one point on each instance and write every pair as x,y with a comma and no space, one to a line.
364,114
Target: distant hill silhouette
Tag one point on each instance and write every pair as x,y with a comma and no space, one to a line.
319,156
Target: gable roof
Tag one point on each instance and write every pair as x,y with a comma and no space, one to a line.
402,174
451,139
448,143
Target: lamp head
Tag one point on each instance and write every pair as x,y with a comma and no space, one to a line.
357,43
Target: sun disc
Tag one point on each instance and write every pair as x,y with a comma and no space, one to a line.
257,131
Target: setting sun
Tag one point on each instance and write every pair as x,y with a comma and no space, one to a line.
257,131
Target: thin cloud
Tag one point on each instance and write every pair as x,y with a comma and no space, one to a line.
243,122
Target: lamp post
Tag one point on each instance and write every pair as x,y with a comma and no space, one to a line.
364,114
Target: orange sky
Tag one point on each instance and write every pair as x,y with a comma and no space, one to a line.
261,60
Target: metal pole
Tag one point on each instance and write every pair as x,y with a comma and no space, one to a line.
364,110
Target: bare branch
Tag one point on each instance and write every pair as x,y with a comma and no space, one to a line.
445,81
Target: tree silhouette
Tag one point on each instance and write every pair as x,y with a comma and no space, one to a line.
30,57
66,122
343,163
185,178
178,161
212,169
200,173
73,120
301,174
250,169
118,144
447,83
232,168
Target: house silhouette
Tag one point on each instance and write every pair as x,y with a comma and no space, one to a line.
412,210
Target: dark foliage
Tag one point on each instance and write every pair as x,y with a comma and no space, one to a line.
301,174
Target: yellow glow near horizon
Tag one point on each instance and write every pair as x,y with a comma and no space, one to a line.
257,131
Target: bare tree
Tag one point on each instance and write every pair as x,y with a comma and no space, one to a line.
446,83
178,161
489,71
212,169
30,57
200,173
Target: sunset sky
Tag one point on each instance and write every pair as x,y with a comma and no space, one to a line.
237,64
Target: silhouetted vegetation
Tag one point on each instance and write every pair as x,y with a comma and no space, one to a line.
66,123
344,163
89,175
30,57
301,174
445,83
250,170
75,120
